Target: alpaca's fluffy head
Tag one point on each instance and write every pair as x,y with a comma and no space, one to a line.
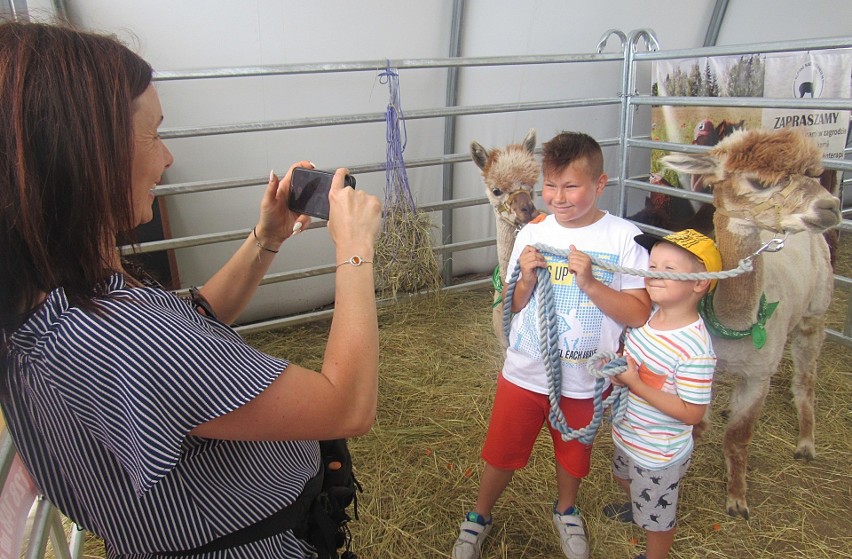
765,179
769,155
510,175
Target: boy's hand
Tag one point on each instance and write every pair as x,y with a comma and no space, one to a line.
530,259
580,264
629,377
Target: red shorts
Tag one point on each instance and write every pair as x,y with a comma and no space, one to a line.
516,420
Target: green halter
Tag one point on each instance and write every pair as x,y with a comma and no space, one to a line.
497,284
757,330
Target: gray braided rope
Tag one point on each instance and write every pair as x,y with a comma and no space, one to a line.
548,336
613,365
745,265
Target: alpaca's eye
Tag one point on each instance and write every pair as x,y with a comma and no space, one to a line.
758,184
496,192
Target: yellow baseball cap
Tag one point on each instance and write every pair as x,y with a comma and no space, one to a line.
696,243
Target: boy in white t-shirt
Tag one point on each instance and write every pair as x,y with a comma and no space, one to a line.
593,306
670,371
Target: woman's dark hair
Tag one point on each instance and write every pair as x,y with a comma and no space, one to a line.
66,149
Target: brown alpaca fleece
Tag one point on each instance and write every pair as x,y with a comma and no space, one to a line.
505,167
769,155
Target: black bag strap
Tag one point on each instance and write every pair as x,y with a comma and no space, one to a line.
291,517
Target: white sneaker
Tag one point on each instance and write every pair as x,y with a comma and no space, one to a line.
473,532
572,535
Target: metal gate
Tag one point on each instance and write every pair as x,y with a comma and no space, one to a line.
629,140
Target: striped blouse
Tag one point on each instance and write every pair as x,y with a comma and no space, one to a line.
679,362
100,407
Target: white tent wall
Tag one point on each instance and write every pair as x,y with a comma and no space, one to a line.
182,35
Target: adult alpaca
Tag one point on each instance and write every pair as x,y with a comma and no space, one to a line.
765,182
510,175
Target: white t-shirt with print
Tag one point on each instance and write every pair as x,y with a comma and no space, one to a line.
583,329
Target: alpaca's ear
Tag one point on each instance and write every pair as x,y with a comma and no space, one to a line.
693,164
529,141
478,154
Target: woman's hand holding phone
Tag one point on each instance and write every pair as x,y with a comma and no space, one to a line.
355,219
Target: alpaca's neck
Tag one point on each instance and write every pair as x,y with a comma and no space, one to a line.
737,299
505,242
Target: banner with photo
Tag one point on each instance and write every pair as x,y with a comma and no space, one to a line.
798,75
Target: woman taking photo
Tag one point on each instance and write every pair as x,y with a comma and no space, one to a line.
146,422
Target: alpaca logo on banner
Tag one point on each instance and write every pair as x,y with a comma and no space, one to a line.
809,81
809,75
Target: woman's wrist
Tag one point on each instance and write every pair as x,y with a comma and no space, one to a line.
265,242
364,252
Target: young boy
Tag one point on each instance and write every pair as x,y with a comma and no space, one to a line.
670,370
594,306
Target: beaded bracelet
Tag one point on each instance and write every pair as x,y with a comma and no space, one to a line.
257,242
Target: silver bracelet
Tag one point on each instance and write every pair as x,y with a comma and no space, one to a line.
355,261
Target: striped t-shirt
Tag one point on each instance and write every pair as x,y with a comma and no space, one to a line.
679,362
100,406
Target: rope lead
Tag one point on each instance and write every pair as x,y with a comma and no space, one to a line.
549,347
549,336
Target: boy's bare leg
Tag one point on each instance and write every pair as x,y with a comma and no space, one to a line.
491,486
624,485
567,487
659,544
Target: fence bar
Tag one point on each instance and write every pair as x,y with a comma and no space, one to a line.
209,185
839,164
377,65
313,122
447,171
39,532
758,102
750,48
57,537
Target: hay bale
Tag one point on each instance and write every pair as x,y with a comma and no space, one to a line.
404,259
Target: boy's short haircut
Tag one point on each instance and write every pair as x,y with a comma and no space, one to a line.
697,244
567,147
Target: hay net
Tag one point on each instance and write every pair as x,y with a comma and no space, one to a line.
405,260
397,192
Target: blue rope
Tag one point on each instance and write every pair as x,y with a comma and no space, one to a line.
549,347
398,192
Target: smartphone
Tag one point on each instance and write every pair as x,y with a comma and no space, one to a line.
309,191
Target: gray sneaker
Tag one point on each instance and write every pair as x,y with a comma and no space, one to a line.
473,532
572,535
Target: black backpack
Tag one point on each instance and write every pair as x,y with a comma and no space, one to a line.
328,519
